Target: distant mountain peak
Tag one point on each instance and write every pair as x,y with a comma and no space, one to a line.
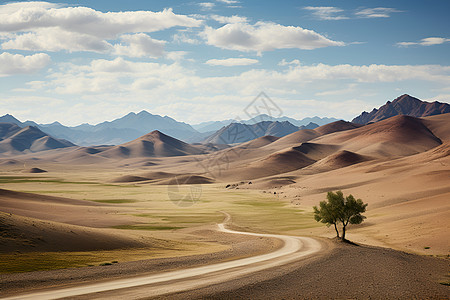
403,105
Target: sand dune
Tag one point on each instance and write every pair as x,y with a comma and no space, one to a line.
130,178
439,125
316,151
259,142
397,136
293,139
187,179
150,145
29,234
335,127
338,160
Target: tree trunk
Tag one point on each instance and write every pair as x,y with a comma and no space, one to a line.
335,228
343,232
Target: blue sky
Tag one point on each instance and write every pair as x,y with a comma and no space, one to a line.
90,61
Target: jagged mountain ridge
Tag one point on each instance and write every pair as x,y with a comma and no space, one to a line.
403,105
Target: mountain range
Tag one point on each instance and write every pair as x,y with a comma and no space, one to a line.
236,133
18,137
403,105
15,139
216,125
133,126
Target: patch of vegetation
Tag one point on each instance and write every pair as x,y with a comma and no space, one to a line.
426,247
116,201
338,209
147,227
43,261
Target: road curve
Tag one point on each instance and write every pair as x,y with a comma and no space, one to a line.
294,248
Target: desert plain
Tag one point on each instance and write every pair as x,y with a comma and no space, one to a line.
78,215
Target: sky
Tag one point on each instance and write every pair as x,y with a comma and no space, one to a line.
90,61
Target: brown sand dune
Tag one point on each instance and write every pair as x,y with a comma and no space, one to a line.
13,195
26,234
158,175
130,178
396,136
277,163
152,144
9,162
338,160
305,135
292,139
187,179
439,125
259,142
58,209
316,151
407,196
335,127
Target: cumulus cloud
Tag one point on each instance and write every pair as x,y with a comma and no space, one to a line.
139,45
183,37
294,62
377,12
11,64
264,36
326,12
42,26
206,5
229,20
55,39
230,62
170,88
123,76
425,42
229,1
177,55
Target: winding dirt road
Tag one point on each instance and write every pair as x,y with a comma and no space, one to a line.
294,248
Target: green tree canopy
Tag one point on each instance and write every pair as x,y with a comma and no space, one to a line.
338,209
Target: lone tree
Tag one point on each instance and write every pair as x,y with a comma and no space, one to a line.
337,209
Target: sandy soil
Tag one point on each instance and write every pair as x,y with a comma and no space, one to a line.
347,272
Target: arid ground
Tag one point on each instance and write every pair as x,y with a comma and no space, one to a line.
98,215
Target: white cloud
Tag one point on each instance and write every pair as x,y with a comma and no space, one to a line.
326,12
183,37
294,62
425,42
89,21
230,62
179,92
229,1
123,78
40,26
139,45
229,20
264,36
377,12
206,5
11,64
55,39
176,55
